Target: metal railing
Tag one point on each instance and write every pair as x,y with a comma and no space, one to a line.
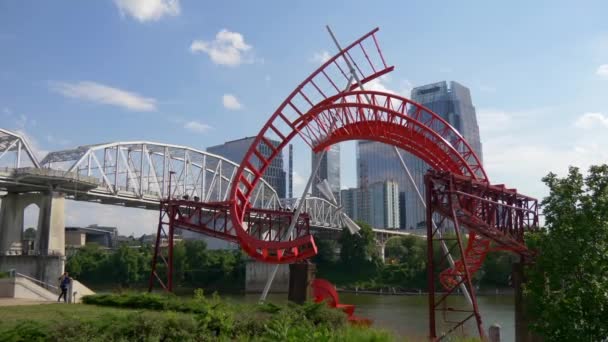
13,274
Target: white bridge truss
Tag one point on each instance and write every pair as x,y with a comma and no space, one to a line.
144,172
15,152
140,174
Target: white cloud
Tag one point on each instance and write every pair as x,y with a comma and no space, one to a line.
148,10
379,84
320,57
228,48
231,102
57,140
197,127
602,71
100,93
591,120
494,120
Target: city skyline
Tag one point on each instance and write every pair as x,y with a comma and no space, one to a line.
200,74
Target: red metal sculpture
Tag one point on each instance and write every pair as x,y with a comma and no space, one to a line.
324,291
328,108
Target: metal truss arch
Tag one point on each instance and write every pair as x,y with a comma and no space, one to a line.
15,151
139,171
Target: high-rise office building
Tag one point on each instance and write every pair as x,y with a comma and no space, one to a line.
235,151
384,205
378,205
329,169
354,202
378,162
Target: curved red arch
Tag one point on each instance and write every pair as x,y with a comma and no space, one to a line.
386,118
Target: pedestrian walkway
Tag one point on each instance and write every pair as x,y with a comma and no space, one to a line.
20,301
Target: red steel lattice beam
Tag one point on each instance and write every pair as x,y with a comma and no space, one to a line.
490,214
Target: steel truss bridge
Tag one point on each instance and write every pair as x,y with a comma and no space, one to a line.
140,174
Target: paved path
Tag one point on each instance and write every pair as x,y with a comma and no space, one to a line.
19,301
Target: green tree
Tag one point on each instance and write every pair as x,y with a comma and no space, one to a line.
406,256
29,234
496,269
326,252
126,266
566,290
357,248
89,264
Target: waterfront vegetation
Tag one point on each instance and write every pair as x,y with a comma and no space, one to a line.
155,317
405,267
357,266
127,267
566,287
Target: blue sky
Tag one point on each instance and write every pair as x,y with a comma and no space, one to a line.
199,73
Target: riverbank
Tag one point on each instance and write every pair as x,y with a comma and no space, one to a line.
149,317
392,291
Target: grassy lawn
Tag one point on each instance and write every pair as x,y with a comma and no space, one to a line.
158,317
50,313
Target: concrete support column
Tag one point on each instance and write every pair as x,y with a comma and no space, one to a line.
257,273
51,224
11,224
301,276
47,262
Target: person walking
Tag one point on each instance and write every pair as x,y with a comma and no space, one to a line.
64,284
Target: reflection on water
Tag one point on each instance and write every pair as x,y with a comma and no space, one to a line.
407,315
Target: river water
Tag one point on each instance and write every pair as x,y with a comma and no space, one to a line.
408,315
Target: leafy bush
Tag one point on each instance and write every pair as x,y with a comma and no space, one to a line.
196,319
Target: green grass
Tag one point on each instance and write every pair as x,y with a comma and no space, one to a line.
57,313
145,317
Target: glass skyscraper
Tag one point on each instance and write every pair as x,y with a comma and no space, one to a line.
329,169
378,162
378,204
235,151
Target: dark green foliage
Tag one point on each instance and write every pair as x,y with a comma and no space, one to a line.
497,268
357,250
128,266
566,288
26,331
405,266
326,254
29,234
205,319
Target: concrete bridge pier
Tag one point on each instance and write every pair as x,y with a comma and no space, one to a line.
257,273
46,261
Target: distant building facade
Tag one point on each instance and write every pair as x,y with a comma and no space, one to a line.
77,237
329,169
384,205
235,150
354,202
377,205
378,162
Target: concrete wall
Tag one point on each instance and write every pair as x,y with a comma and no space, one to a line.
75,239
20,287
256,275
50,231
44,268
79,290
